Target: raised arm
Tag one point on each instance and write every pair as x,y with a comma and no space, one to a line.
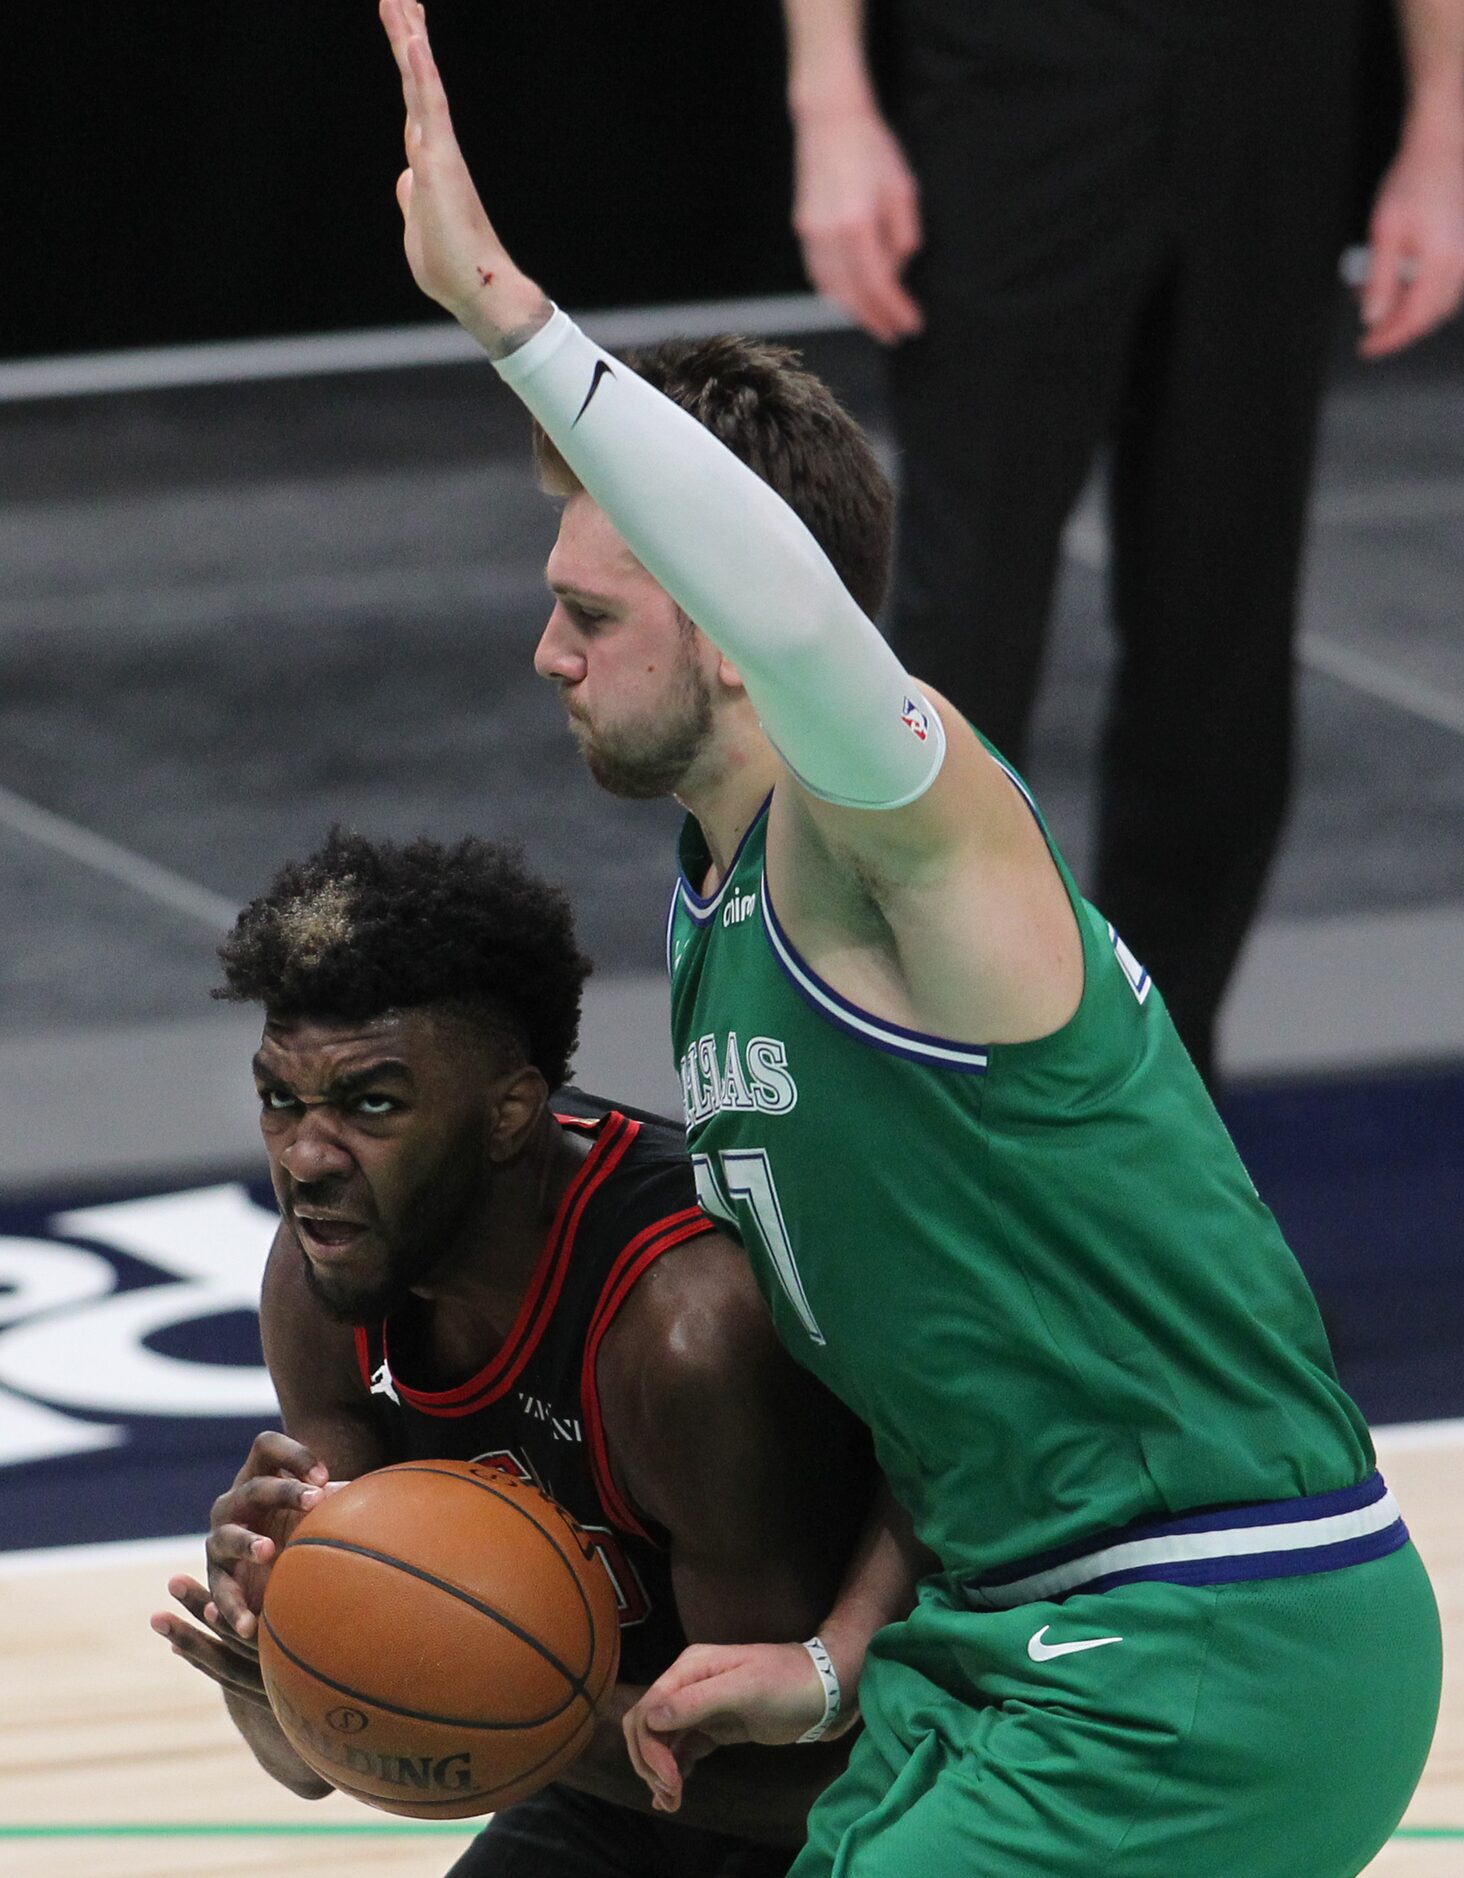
831,694
891,795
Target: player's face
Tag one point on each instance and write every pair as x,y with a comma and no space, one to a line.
635,677
378,1148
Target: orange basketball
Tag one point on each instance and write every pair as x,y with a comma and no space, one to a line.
436,1639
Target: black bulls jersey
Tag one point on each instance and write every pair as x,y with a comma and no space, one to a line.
534,1409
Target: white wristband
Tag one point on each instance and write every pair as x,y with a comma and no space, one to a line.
833,1695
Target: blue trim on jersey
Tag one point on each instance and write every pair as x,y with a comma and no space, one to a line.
1136,974
701,910
671,926
1031,800
878,1032
1320,1532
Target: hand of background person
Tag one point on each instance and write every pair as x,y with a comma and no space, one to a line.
715,1695
1416,278
856,213
277,1485
452,248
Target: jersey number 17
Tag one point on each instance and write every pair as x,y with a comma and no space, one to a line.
740,1188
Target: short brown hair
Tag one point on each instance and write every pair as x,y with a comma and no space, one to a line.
784,423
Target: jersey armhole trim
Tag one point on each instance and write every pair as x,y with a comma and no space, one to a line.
702,908
634,1260
363,1354
878,1032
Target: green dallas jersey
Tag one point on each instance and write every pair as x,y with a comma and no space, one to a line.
1038,1272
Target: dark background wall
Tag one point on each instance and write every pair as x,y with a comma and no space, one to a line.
192,169
199,169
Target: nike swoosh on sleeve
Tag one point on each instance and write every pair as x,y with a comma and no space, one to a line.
602,370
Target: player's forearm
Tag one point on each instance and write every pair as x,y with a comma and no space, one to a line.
270,1748
828,74
753,1792
1433,50
832,696
878,1589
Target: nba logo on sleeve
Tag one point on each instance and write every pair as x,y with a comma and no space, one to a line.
914,719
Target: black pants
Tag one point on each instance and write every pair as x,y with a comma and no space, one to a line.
1133,212
562,1834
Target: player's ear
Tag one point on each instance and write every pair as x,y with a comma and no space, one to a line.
520,1100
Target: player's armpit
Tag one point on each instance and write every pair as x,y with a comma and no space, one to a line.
949,917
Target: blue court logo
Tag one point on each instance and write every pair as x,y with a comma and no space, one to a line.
128,1347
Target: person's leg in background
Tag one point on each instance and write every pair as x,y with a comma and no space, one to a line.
1036,136
1209,489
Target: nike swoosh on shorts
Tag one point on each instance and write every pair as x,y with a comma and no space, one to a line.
1041,1652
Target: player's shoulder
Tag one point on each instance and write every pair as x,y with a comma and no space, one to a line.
694,1327
645,1176
586,1112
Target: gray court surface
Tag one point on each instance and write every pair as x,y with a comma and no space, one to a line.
232,614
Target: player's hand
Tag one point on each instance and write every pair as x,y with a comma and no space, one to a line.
279,1482
454,253
714,1695
856,212
214,1650
1416,278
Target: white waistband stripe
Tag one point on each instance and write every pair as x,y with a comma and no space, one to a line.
1183,1547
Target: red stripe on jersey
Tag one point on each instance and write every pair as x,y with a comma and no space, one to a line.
545,1284
642,1251
363,1354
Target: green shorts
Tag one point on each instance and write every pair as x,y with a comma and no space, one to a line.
1273,1728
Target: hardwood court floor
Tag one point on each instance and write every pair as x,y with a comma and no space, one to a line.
103,1728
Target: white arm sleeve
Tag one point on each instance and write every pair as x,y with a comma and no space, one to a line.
831,694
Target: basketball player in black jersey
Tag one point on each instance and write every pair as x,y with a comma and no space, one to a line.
466,1267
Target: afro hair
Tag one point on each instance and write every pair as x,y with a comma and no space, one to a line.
366,927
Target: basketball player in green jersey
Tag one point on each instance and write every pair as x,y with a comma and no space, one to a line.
1138,1602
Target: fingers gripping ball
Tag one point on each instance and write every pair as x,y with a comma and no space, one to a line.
436,1639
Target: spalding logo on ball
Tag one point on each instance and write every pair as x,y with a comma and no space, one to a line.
436,1639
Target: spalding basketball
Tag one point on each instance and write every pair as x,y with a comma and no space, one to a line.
436,1638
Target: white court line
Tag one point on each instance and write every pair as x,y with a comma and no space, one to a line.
118,863
1086,541
1395,1438
392,348
114,1552
1408,1437
1379,681
1401,499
